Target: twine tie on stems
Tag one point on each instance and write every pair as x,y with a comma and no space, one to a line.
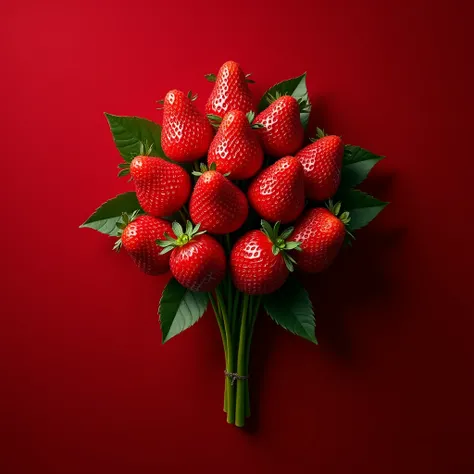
233,376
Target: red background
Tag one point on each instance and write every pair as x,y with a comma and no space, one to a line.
86,386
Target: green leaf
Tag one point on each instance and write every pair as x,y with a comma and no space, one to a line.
357,165
291,308
179,309
105,218
361,206
296,87
130,133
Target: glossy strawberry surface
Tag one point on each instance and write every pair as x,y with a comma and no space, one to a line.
217,204
322,161
186,133
139,240
254,268
236,148
200,264
231,91
321,234
162,187
282,133
277,193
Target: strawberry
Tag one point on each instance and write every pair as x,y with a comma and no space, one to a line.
186,133
282,132
259,262
197,260
277,193
322,162
321,234
216,203
138,236
236,149
231,91
162,187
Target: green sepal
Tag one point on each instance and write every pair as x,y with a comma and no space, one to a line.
124,172
247,78
177,228
121,225
210,77
280,244
183,236
215,120
203,169
250,116
286,233
192,97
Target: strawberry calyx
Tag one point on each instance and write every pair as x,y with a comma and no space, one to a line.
192,97
189,95
320,133
303,103
122,224
247,78
280,242
215,120
273,97
345,217
250,118
204,169
210,77
213,78
144,150
183,236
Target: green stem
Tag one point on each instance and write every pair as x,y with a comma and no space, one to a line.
224,342
255,309
241,367
183,217
219,322
229,359
235,308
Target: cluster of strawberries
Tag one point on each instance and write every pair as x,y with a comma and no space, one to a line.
228,177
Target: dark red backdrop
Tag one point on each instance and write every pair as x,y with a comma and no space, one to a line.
86,386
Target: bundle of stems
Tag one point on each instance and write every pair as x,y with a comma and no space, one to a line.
236,314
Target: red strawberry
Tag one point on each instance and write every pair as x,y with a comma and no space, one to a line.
186,133
259,262
322,162
231,91
236,149
282,132
162,187
216,203
138,237
197,260
277,193
321,234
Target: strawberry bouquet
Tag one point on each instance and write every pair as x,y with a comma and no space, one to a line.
234,202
